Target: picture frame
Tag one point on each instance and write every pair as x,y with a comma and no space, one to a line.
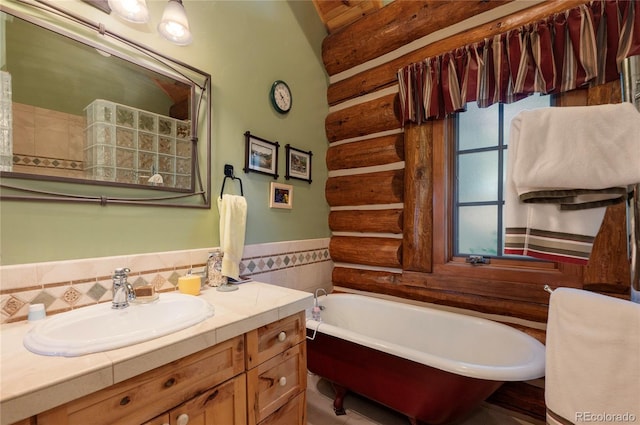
261,155
298,164
281,196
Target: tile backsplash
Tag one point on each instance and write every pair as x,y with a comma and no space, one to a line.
65,285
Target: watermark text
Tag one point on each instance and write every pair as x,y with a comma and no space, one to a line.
605,417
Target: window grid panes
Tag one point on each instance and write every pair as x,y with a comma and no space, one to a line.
482,136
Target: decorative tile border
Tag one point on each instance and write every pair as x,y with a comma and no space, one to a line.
44,162
263,264
89,281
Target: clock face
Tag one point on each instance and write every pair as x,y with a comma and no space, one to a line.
281,96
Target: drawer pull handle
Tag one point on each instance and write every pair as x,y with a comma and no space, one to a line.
282,336
125,400
170,382
183,419
282,381
212,396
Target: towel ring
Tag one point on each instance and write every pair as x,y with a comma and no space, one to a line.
232,178
228,174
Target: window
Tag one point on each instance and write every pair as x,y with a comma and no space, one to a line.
480,171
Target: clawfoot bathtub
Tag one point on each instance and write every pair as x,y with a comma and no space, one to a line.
433,366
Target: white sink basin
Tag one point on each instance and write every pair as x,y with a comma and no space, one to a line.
100,328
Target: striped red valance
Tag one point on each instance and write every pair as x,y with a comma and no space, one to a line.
582,46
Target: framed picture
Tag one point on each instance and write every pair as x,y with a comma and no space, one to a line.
281,196
298,164
261,155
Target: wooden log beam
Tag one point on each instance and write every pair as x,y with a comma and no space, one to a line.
497,289
609,260
381,252
366,153
344,276
377,115
384,75
374,221
394,26
418,194
482,304
384,187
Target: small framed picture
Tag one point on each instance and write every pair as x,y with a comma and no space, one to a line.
281,196
261,155
298,164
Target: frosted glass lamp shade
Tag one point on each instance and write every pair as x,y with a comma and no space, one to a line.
131,10
174,25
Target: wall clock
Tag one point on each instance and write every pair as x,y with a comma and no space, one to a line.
281,96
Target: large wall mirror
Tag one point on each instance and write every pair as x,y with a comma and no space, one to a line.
90,116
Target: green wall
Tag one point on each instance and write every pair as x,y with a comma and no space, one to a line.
245,46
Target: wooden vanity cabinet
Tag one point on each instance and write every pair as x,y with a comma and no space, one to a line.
197,383
259,378
277,373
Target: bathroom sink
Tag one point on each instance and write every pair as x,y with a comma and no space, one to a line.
100,328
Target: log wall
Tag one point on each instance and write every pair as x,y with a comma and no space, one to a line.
388,185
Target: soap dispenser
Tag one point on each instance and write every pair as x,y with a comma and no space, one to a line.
214,269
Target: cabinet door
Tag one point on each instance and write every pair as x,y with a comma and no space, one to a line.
222,405
276,382
292,413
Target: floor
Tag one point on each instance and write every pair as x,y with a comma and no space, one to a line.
361,411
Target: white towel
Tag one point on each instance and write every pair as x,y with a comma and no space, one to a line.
562,160
592,358
233,219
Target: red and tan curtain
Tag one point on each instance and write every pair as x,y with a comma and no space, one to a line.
582,46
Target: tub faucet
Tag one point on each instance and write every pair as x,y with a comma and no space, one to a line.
122,290
317,308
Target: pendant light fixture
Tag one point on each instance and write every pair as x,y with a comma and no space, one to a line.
174,25
131,10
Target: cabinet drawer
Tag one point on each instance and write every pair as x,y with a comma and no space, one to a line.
224,405
276,382
138,399
275,338
292,413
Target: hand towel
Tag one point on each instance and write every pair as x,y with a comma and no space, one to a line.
565,164
592,358
233,220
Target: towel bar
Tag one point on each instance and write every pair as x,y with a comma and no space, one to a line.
548,289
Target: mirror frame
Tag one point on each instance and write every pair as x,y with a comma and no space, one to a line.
28,187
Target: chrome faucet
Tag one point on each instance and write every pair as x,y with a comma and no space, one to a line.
317,308
122,290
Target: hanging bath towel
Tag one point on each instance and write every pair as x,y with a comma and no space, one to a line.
565,165
233,220
592,359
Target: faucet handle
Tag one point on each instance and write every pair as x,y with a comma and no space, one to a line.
121,272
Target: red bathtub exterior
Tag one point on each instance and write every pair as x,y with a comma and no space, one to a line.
426,395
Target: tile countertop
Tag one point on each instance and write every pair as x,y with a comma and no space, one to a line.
31,383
